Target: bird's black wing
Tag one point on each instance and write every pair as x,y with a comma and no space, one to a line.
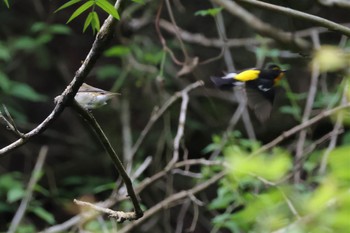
260,105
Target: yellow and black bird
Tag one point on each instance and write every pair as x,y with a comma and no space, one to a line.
260,87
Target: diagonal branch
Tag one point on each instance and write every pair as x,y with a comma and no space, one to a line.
89,118
300,127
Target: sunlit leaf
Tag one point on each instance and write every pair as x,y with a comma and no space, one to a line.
211,11
322,196
107,7
81,9
68,4
7,3
339,163
263,166
330,58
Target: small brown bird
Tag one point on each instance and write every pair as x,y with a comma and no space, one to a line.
90,97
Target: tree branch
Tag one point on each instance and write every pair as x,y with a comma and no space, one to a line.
89,118
262,27
297,128
301,15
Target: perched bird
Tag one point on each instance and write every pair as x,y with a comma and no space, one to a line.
260,87
90,97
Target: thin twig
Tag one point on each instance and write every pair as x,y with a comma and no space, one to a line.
299,127
89,118
36,174
159,112
120,216
201,39
338,3
127,136
181,125
334,136
307,112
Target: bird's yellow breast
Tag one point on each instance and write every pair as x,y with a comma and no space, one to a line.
247,75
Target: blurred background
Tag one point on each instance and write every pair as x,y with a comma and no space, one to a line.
40,53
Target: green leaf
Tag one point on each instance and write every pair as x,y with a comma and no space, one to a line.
211,12
107,7
25,43
4,52
339,163
104,187
95,23
68,4
81,9
139,1
107,71
43,214
290,110
15,194
243,166
7,3
88,21
60,29
4,82
117,51
24,91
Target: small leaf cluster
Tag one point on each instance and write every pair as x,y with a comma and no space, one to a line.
92,19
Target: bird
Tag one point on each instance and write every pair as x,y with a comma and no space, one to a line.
90,97
260,87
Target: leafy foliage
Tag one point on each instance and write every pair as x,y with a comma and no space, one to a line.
257,196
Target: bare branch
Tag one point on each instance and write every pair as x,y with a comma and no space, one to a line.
299,127
301,15
262,27
120,216
159,112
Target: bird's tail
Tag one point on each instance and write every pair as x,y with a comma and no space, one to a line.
224,82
